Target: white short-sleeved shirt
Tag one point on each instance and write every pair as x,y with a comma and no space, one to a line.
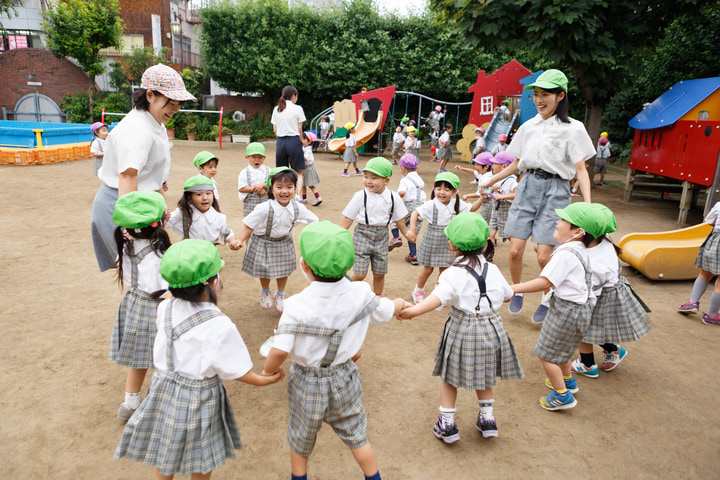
308,154
508,185
149,279
567,273
324,126
288,120
499,148
481,177
138,142
283,218
97,145
409,143
407,185
332,305
713,215
398,138
378,207
445,212
603,152
458,288
214,347
604,266
444,139
350,141
552,145
210,226
257,175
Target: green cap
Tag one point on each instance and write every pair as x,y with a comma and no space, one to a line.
468,231
138,209
327,249
550,79
448,177
255,148
274,171
405,119
203,157
198,183
608,215
585,216
379,166
506,102
190,262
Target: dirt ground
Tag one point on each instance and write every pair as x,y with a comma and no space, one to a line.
647,419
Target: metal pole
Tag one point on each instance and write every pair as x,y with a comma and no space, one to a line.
220,128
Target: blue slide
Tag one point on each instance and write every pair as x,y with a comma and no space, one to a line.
496,128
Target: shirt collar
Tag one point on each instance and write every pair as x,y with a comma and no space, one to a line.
325,289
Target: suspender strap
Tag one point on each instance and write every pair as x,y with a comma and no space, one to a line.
135,259
435,214
392,208
248,177
173,334
481,284
271,218
335,335
588,272
418,190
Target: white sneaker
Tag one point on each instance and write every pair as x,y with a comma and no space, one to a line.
279,301
418,296
266,300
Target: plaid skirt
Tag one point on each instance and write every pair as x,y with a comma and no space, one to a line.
251,201
618,316
433,250
98,164
183,426
310,176
473,351
413,151
709,254
443,153
349,156
565,326
486,209
396,148
499,217
371,249
133,335
333,395
269,257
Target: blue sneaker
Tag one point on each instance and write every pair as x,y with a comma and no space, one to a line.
612,360
553,401
570,384
516,304
539,315
578,367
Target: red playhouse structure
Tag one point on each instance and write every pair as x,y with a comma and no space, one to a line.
489,90
678,137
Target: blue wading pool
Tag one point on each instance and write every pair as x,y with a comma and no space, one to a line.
20,134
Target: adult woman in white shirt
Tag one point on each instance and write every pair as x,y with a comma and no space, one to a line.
137,153
287,119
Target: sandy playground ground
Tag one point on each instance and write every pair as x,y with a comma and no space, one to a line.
653,417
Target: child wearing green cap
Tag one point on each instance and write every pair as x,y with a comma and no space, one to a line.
207,164
373,209
252,188
433,252
474,347
141,242
324,327
186,424
552,149
198,214
619,315
270,250
569,276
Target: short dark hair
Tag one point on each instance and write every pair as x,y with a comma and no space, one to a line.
140,102
289,174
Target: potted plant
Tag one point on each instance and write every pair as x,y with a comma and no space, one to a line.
241,133
226,132
190,129
170,127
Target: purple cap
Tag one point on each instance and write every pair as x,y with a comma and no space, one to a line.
504,158
409,161
96,125
484,158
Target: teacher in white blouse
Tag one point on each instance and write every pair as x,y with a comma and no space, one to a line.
287,119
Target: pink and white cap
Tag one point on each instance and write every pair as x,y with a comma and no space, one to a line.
438,108
504,158
167,81
502,137
409,161
310,136
484,158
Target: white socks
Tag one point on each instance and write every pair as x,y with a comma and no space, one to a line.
132,400
448,415
486,408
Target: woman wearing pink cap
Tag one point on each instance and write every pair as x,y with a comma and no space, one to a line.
137,153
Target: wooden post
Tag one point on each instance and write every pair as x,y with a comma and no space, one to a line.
629,181
685,202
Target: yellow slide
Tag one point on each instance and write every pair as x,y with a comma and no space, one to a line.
363,133
665,255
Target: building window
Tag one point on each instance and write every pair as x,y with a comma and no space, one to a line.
486,106
127,44
15,39
703,115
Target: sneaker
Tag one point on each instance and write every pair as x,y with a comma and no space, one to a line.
394,243
412,260
266,300
124,413
578,367
358,172
279,301
516,304
474,182
447,433
539,315
486,426
612,360
574,193
317,202
302,200
345,174
598,183
689,307
553,401
418,297
570,384
442,170
707,320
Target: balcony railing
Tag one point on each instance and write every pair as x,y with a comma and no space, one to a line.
189,59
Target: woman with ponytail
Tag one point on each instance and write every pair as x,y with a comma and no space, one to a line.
287,119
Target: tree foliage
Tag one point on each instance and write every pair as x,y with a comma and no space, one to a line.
140,60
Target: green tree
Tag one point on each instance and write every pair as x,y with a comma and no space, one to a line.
80,29
139,61
596,40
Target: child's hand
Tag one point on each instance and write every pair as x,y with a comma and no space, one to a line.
235,244
496,187
406,313
465,197
458,167
273,377
411,237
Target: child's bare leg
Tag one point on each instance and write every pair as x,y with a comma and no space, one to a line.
354,164
492,235
134,379
358,277
300,180
378,283
486,394
162,477
515,258
265,283
194,476
423,276
298,464
304,191
281,282
365,457
585,348
448,395
555,373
